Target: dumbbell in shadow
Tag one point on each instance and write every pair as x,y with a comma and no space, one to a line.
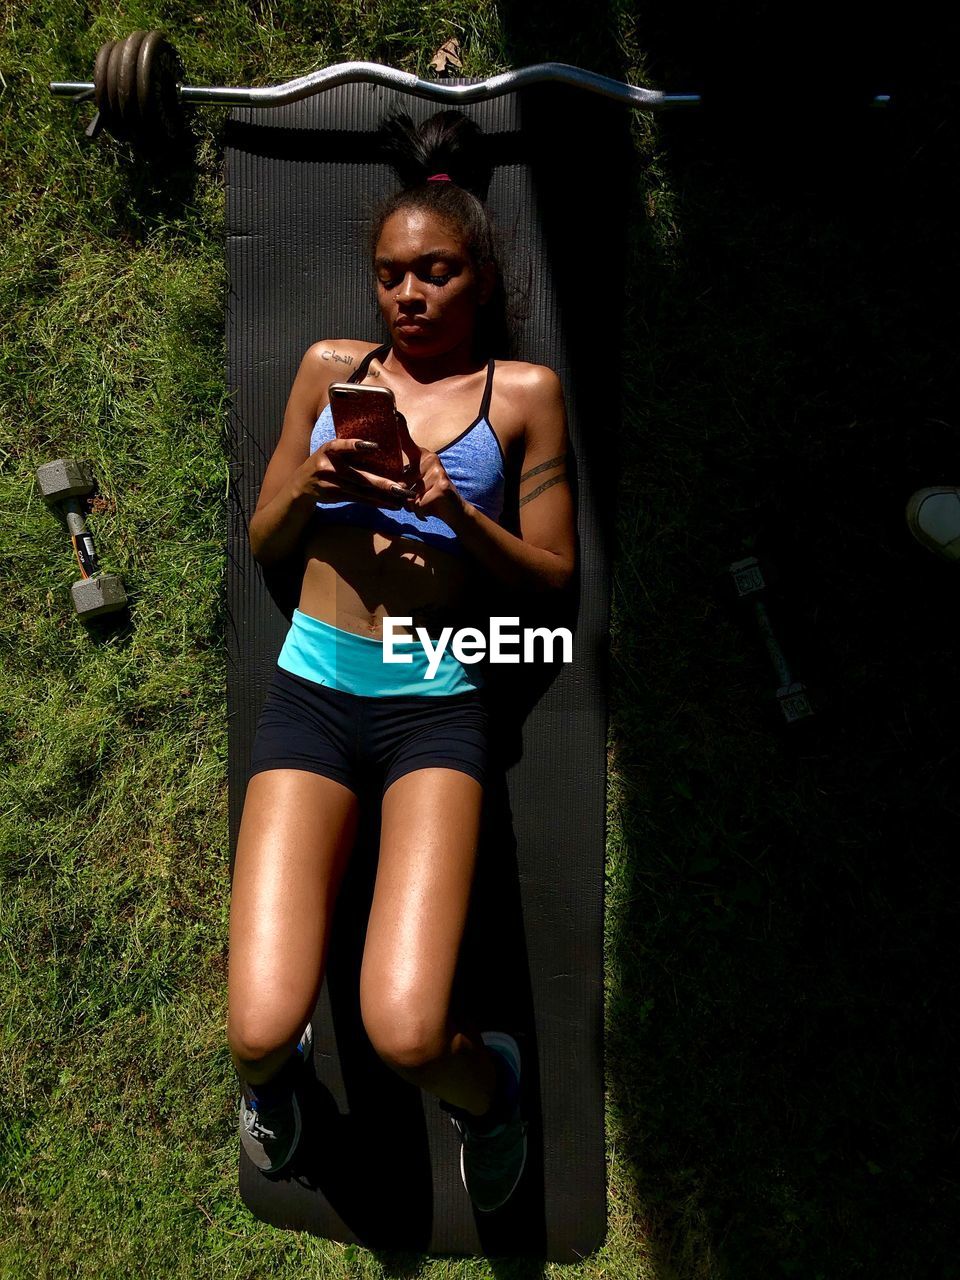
792,696
63,484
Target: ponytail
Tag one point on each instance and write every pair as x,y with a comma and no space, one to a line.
449,142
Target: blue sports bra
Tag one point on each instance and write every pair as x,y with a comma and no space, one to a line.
473,461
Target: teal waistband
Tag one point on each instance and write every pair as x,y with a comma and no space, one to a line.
354,664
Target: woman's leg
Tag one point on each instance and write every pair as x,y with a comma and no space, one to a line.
428,846
294,844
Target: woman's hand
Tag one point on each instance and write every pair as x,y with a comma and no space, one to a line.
435,494
333,474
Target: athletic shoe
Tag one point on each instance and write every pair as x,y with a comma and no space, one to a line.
492,1159
270,1122
933,516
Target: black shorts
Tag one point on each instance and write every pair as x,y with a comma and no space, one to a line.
350,738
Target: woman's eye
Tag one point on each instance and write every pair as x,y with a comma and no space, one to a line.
437,280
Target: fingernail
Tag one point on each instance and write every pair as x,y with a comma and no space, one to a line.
367,444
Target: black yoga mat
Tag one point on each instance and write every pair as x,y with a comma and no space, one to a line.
379,1161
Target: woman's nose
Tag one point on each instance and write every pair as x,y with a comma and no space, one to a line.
409,288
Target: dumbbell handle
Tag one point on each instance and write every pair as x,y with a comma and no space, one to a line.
81,537
770,640
393,78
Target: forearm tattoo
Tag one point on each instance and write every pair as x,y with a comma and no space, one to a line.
558,461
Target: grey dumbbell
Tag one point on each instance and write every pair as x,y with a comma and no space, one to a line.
792,696
63,483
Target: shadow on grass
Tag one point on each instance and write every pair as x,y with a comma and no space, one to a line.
782,908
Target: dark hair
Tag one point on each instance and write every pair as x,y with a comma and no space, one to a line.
448,142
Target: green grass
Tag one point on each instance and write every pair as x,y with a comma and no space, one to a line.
781,1009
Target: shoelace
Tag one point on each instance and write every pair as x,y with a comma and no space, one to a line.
256,1127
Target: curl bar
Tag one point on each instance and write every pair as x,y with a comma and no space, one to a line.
140,98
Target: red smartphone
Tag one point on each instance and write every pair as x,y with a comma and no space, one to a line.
369,413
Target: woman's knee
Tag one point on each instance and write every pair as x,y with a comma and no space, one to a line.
256,1036
405,1037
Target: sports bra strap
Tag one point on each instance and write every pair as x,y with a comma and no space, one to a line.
361,370
485,405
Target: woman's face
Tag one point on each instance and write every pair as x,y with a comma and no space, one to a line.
427,285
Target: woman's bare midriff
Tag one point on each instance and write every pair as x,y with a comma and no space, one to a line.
355,577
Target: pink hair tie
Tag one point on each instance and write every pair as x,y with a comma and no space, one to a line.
440,177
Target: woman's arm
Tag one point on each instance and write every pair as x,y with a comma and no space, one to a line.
296,480
544,557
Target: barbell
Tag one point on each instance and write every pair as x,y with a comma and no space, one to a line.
140,99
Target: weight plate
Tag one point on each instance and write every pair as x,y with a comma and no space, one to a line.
127,84
170,104
158,70
113,90
100,79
